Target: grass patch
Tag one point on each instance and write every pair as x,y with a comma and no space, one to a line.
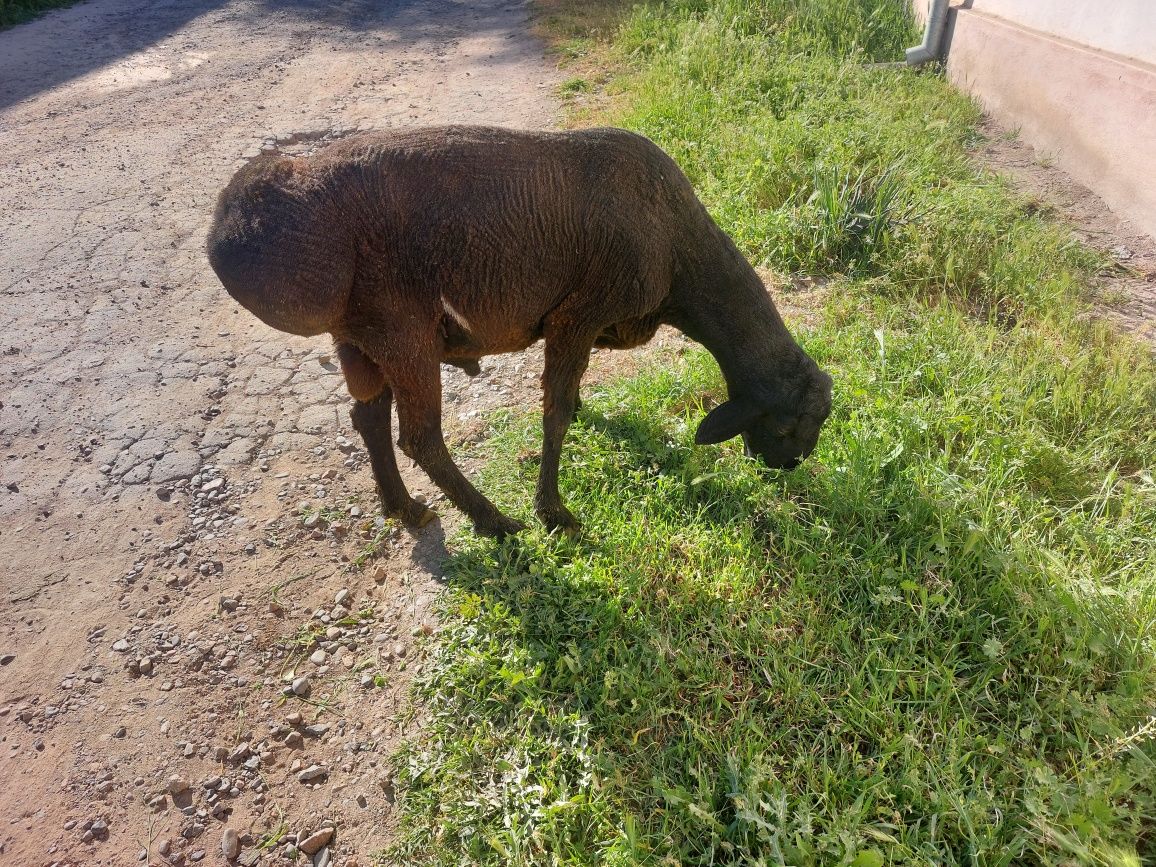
13,12
935,643
929,646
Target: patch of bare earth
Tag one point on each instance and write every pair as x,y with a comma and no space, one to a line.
1126,291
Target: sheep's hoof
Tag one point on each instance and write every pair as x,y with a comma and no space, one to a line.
499,528
560,519
415,515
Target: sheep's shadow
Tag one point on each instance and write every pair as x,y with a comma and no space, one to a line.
609,646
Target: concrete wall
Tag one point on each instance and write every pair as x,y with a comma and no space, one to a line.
1077,78
1123,27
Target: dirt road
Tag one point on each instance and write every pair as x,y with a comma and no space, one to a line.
185,532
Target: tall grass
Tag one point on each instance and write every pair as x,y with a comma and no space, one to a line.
935,643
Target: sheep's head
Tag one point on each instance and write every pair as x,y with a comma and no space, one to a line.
781,432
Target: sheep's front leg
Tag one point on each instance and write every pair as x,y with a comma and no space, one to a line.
371,419
566,361
419,420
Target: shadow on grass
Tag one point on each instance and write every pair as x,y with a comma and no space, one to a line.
752,679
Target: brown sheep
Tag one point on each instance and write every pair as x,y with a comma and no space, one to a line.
435,245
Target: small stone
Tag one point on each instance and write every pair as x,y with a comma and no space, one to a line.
120,646
316,730
120,732
399,651
302,687
177,785
319,657
312,773
294,718
321,859
230,844
164,848
313,844
7,658
341,596
294,740
239,753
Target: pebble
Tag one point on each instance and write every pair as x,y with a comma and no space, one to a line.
319,657
120,732
302,687
120,646
177,785
312,773
313,844
341,596
230,844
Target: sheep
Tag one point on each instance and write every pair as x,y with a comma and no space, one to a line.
446,244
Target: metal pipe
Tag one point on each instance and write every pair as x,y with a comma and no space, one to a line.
932,45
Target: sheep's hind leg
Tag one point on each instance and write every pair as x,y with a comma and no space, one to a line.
419,421
371,419
566,362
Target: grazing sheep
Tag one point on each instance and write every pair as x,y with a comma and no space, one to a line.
446,244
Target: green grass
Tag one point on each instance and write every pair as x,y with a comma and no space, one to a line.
934,643
13,12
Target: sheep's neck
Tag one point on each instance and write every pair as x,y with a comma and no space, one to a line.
724,306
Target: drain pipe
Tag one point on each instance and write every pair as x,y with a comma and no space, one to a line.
931,46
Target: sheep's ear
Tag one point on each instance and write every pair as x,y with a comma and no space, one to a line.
725,421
